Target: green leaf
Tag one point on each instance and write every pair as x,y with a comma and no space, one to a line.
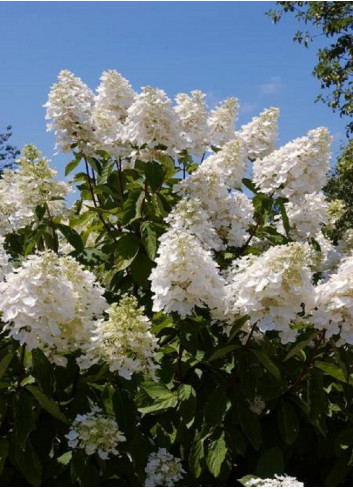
5,362
270,462
154,174
42,370
23,407
332,370
300,346
249,422
165,403
222,352
196,455
285,219
4,450
217,451
47,403
126,251
29,464
141,269
149,237
155,390
267,363
72,164
132,206
72,236
288,423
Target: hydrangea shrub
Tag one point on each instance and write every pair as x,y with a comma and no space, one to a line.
187,321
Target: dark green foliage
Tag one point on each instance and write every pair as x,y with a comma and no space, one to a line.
8,152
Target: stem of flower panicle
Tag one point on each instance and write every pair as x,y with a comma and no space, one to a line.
318,341
105,224
52,225
21,370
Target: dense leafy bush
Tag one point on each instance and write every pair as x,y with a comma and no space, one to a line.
186,321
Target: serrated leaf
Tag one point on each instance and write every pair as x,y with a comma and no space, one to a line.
141,269
72,165
149,237
72,236
126,251
155,175
48,404
332,370
217,451
267,363
196,455
221,352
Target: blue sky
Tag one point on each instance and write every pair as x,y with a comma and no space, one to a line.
222,48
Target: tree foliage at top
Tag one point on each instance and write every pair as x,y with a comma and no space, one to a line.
334,69
8,152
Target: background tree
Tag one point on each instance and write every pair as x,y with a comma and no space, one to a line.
8,152
334,69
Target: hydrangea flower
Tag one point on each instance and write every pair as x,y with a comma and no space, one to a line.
300,167
188,215
221,122
186,276
163,469
51,303
192,115
261,134
95,432
111,103
124,341
272,287
26,187
69,108
278,481
334,303
229,213
229,163
153,124
305,217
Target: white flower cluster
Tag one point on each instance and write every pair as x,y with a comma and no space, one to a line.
334,303
5,265
186,275
153,122
221,122
129,125
114,97
192,115
124,341
297,168
271,288
23,189
277,481
95,432
69,108
163,469
306,217
51,303
261,134
189,215
229,163
230,213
